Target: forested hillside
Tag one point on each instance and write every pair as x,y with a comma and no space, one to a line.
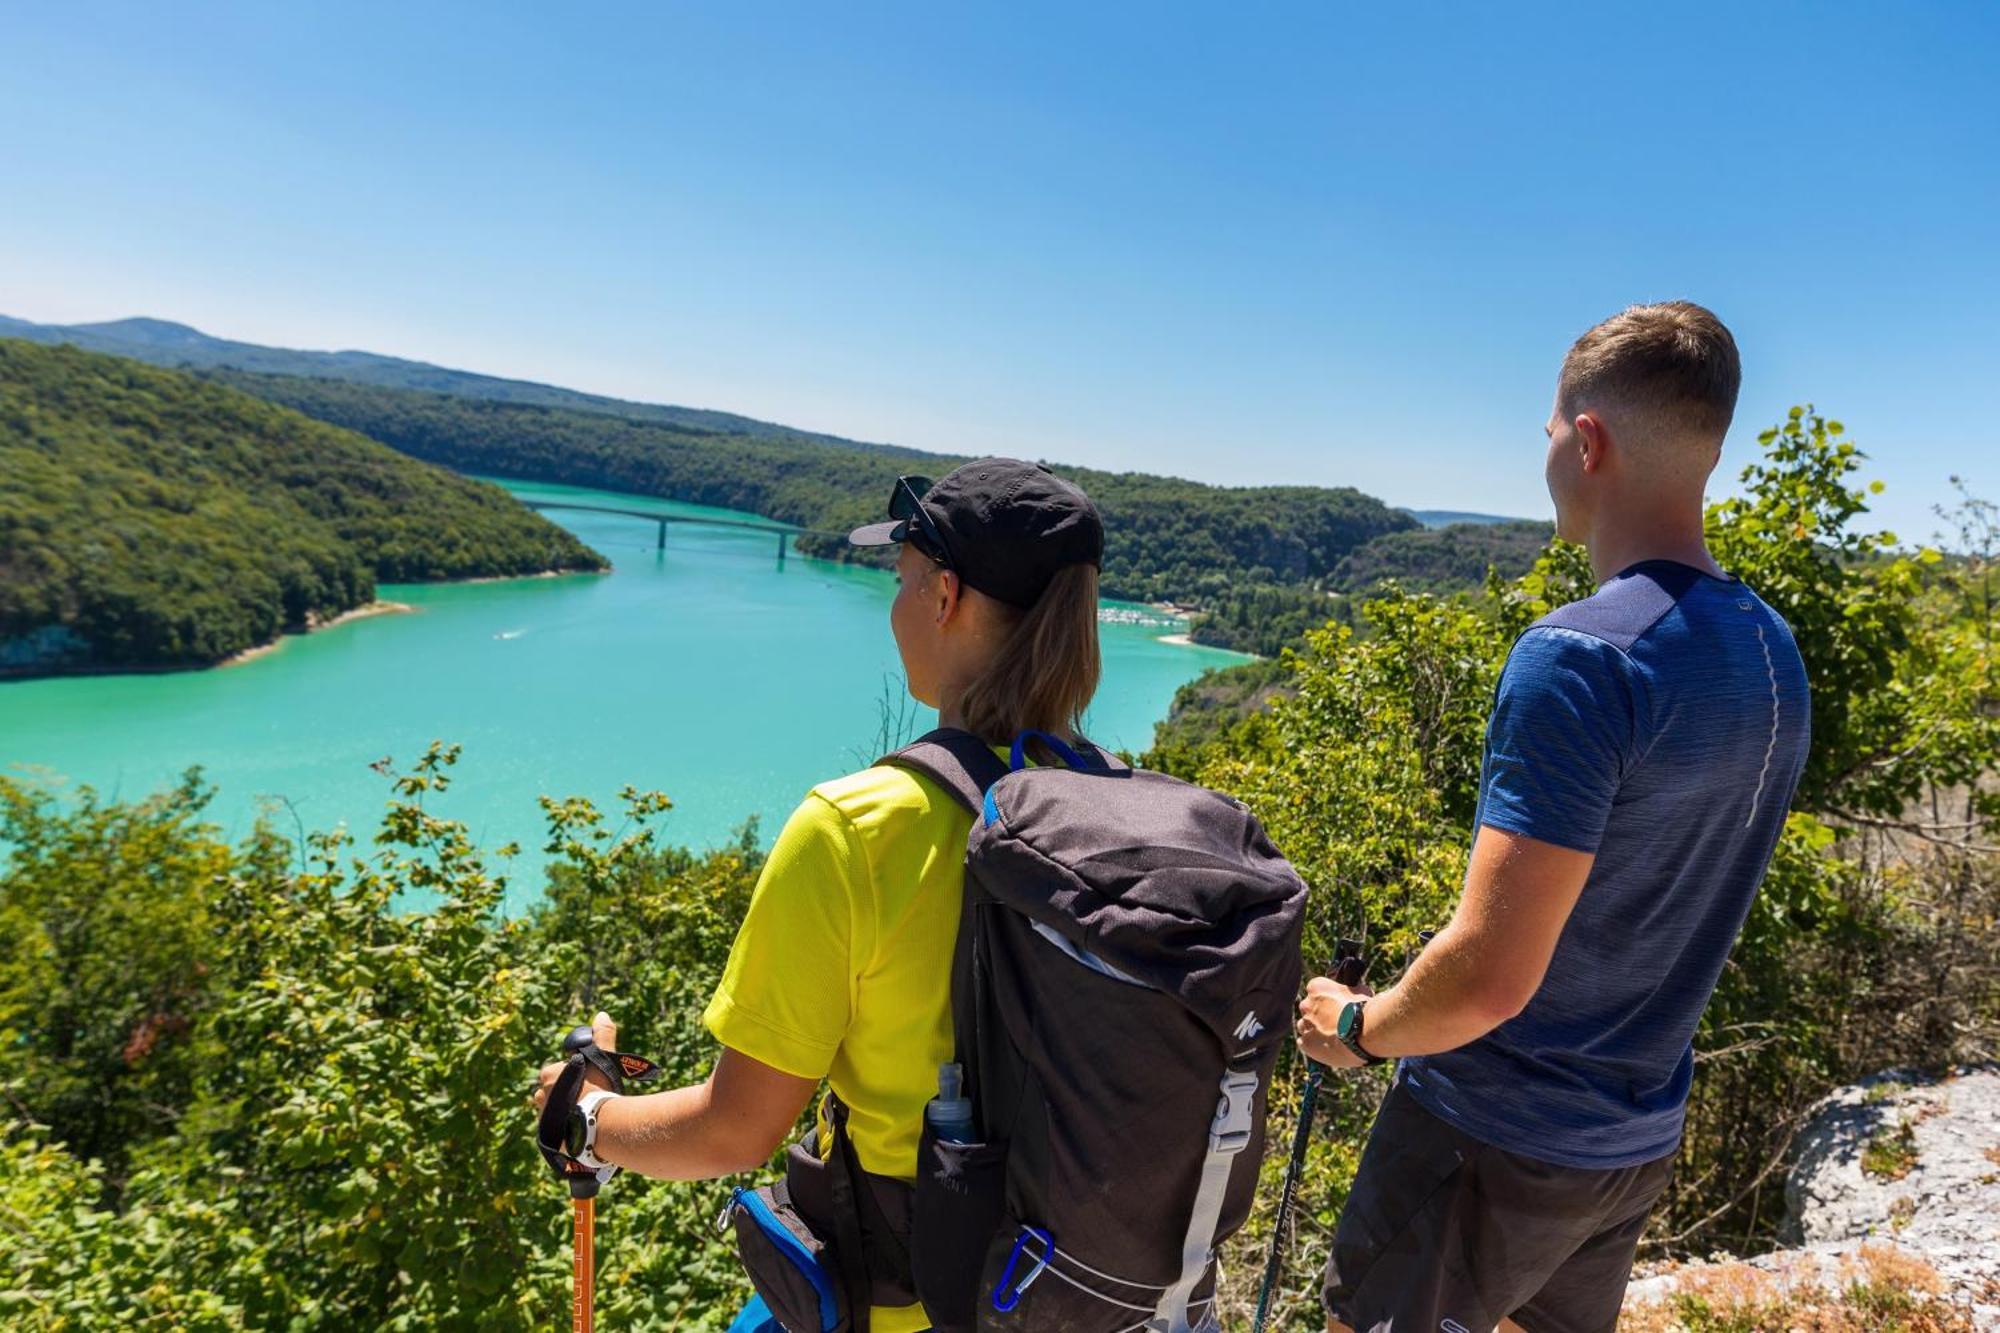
1454,560
1269,618
1444,518
1228,550
1443,559
152,519
1165,538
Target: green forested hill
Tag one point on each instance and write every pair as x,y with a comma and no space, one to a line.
1265,618
149,518
1166,538
1444,559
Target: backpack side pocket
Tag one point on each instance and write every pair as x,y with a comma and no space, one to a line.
960,1200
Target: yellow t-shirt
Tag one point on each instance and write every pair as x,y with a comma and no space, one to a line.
842,968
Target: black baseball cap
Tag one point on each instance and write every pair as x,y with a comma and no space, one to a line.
1004,526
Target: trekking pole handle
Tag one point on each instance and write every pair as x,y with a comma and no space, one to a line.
1348,969
582,1053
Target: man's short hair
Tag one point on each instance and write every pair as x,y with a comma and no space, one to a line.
1674,361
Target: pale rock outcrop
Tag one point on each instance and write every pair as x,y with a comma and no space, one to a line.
1899,1164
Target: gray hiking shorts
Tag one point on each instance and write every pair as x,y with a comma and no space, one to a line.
1445,1234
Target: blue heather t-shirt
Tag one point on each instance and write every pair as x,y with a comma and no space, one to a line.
1661,724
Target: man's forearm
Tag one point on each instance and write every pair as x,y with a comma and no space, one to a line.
1445,1000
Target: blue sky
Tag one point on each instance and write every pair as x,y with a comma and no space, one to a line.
1313,243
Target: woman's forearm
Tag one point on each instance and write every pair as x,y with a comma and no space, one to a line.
678,1134
731,1122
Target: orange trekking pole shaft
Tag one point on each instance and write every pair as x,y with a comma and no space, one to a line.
583,1292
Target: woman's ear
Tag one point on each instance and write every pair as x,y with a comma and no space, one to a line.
947,595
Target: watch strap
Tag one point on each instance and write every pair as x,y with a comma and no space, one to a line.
587,1108
1352,1040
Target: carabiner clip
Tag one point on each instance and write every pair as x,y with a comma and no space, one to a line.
1013,1298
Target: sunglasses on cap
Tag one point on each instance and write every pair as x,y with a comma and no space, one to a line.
906,507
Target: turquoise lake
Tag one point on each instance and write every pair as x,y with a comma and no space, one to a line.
710,672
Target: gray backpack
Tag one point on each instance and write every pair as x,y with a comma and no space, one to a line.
1126,965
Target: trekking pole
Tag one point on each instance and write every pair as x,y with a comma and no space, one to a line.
552,1135
1348,968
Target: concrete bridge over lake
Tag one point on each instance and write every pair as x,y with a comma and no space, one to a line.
783,534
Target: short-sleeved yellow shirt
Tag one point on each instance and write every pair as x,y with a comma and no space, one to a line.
842,967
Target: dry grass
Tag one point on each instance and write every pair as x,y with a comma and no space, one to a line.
1877,1289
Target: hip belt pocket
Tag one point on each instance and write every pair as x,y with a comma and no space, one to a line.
788,1264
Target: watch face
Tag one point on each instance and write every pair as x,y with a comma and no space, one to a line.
574,1139
1350,1021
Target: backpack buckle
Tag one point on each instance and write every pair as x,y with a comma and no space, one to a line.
1229,1132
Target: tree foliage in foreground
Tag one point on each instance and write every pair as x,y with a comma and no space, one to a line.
152,519
306,1106
272,1085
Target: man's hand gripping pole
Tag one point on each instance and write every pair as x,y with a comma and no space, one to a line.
1348,969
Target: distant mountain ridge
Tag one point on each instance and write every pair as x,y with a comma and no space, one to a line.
178,346
1444,518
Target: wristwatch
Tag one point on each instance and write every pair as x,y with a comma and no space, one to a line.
580,1143
1348,1029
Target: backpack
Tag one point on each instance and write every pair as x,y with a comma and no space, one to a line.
1126,964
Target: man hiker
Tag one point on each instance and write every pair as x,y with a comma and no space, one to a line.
1643,747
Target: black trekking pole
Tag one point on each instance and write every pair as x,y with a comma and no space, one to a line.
553,1136
1348,969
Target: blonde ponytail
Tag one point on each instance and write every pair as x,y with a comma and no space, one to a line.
1045,674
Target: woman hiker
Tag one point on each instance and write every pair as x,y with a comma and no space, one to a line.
841,970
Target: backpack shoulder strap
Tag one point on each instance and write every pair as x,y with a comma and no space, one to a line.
966,766
1104,757
956,760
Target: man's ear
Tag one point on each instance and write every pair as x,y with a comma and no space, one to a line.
1593,440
